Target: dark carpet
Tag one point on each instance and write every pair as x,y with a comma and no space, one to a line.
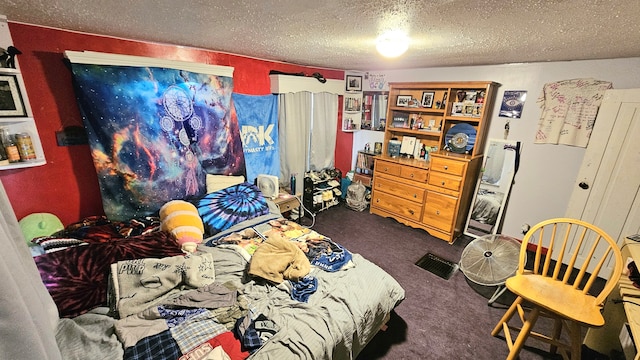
439,319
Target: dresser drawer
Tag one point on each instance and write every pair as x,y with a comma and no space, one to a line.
439,211
399,189
415,174
448,166
445,181
388,168
396,205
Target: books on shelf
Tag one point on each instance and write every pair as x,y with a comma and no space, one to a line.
352,104
364,164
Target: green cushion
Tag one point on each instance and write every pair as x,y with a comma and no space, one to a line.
39,224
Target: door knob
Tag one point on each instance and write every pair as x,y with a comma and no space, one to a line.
583,185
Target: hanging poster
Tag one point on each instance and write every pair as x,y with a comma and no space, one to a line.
512,103
569,110
375,82
258,121
155,133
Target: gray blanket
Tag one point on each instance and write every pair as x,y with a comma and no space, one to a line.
89,336
339,319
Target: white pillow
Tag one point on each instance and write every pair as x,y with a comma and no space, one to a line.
219,182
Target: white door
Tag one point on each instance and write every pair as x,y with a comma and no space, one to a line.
606,191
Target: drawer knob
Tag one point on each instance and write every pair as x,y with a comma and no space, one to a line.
443,183
411,212
386,169
415,196
437,212
377,200
411,175
446,167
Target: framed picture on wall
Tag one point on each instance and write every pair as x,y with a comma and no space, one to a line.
354,83
427,99
11,103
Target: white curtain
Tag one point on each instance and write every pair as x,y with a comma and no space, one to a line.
324,126
294,127
307,124
28,315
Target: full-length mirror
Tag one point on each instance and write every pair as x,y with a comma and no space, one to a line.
500,164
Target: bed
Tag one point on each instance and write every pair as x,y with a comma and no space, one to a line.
223,304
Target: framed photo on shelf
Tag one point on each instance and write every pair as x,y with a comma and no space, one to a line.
354,83
477,110
403,100
468,109
11,103
427,99
457,109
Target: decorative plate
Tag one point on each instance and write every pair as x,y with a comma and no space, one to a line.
458,131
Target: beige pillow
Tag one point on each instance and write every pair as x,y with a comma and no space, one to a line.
219,182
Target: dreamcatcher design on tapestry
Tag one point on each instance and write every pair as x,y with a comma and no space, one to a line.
155,133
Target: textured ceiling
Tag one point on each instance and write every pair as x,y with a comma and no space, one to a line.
341,34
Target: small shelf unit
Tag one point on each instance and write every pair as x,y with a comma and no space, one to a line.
19,124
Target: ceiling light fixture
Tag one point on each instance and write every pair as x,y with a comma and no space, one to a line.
392,43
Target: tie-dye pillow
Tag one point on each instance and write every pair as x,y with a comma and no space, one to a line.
224,208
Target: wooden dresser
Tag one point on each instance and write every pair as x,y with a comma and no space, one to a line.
399,191
433,194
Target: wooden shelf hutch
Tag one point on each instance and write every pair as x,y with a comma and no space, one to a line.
433,194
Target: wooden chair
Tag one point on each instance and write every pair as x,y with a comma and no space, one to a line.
545,287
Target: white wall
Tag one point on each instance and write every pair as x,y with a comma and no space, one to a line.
547,173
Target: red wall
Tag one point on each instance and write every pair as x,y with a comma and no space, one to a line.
67,185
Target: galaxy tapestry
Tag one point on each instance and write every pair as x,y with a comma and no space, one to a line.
258,121
155,133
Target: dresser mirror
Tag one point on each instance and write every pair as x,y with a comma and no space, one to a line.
500,163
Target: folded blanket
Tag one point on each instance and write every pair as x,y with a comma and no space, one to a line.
139,284
173,315
188,326
188,331
278,259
